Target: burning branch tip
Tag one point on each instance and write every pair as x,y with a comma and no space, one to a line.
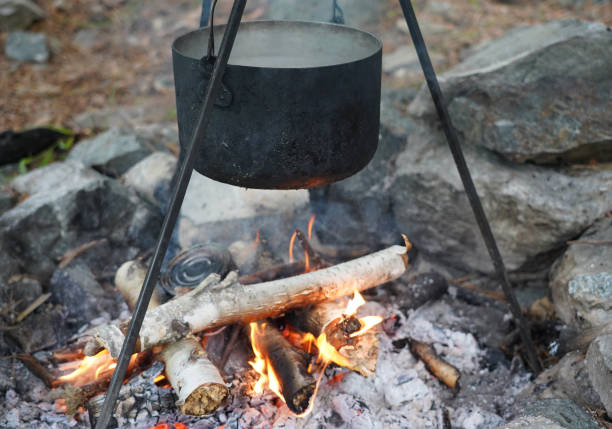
408,245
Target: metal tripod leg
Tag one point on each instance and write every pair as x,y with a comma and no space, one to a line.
176,201
468,184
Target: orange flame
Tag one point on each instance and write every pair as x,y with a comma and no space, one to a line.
310,224
327,353
261,364
291,241
89,369
367,323
354,303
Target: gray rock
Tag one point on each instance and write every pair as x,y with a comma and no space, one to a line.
405,59
27,47
358,210
82,297
214,211
21,290
581,280
531,209
112,152
506,96
69,205
40,330
151,177
18,14
553,414
7,200
568,379
599,365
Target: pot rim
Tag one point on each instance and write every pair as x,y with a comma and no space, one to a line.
376,49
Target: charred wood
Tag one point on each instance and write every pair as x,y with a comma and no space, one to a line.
289,364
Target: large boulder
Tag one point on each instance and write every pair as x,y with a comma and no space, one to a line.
581,280
412,185
531,210
541,93
68,205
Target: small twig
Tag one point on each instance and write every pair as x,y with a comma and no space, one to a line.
71,254
33,306
37,369
230,345
594,242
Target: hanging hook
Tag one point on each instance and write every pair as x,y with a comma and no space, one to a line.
211,35
337,13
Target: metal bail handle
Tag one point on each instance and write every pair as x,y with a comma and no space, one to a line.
207,64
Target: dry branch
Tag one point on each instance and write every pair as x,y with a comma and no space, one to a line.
215,303
443,370
196,381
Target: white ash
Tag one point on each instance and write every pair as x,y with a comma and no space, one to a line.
402,394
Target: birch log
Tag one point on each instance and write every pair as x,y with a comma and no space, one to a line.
196,381
215,303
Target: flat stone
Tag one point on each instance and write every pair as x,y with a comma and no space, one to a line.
18,14
505,96
599,365
27,47
112,152
581,280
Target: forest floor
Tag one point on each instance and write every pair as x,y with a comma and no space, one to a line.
117,53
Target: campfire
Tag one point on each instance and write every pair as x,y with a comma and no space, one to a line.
299,318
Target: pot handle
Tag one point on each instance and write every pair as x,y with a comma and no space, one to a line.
208,61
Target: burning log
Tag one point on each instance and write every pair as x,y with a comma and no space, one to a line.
215,303
283,366
444,371
344,331
196,381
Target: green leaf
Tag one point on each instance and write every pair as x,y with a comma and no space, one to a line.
23,165
65,144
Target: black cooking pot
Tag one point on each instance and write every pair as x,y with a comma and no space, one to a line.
299,106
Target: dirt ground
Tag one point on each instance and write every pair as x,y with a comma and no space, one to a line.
113,53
